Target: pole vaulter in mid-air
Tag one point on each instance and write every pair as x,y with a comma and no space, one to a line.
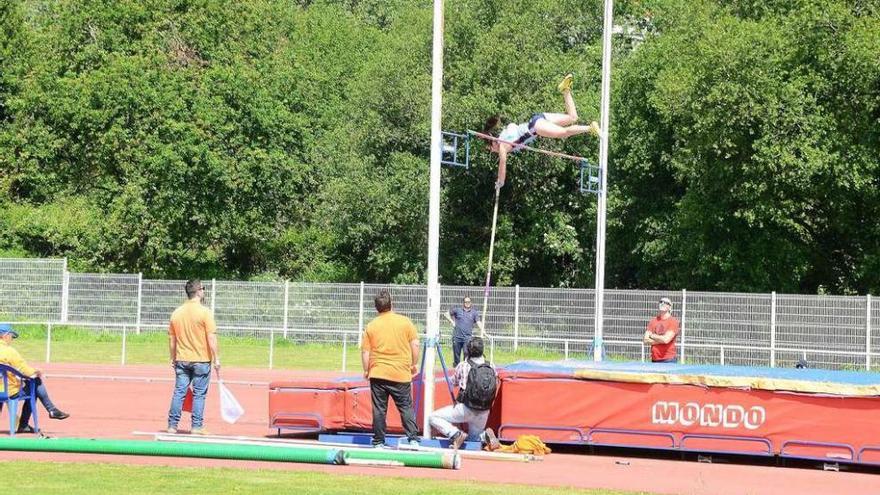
516,137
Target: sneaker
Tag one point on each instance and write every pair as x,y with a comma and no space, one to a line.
172,430
594,129
566,83
58,414
199,431
414,442
25,429
491,440
458,439
379,446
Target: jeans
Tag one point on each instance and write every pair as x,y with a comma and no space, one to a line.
186,373
442,420
459,347
402,394
42,395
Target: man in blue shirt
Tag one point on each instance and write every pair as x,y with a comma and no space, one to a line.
464,318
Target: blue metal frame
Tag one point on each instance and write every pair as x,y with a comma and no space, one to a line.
761,440
805,443
591,177
449,154
579,431
420,378
869,448
619,431
26,385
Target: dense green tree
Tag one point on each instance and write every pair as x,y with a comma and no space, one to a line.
758,138
290,139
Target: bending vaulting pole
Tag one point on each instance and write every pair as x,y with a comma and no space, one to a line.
603,180
432,315
489,268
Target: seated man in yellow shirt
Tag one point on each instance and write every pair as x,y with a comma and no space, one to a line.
10,357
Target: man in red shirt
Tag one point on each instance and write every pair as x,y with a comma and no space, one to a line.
662,333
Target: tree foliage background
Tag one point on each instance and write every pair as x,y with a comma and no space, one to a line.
289,139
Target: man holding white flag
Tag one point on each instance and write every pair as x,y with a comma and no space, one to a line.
192,342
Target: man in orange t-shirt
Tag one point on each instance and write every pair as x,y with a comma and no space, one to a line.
390,354
662,333
192,342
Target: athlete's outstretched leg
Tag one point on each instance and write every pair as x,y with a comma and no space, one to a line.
570,116
546,128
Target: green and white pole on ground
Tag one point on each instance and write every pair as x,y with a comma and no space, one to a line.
603,179
432,316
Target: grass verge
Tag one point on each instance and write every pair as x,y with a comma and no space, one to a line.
89,478
78,345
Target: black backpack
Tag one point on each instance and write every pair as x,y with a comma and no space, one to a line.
482,382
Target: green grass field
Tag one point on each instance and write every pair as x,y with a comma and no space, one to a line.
76,345
89,478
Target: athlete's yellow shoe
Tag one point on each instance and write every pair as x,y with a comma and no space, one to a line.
594,129
566,83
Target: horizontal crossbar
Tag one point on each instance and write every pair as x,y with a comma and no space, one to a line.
522,146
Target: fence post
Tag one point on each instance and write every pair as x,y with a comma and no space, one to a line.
683,319
48,342
65,294
643,352
566,348
286,300
124,332
516,318
271,347
360,328
491,349
868,334
344,349
722,355
773,329
213,294
64,281
137,328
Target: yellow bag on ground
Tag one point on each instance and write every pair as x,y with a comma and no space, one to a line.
526,444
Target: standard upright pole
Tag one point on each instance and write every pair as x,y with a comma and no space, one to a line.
603,179
432,316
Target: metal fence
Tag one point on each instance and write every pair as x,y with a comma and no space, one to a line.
721,328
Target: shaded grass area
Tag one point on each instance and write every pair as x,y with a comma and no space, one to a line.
79,345
89,478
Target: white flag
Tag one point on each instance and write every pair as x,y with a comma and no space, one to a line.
230,409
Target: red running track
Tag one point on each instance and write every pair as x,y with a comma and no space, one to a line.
113,401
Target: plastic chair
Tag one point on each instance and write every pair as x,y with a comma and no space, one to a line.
28,391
